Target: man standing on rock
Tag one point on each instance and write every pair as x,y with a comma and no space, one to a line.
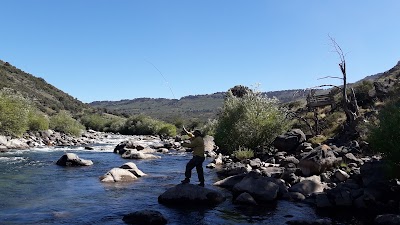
197,145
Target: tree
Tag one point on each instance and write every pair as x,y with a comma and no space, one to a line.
349,102
350,106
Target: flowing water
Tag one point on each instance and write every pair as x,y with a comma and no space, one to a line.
34,190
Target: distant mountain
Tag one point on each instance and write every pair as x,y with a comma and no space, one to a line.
192,107
45,96
203,107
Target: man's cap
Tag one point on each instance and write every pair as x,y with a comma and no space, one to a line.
197,132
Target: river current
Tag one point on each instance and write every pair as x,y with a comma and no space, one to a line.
34,190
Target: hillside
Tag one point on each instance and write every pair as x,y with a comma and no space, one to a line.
204,107
197,107
46,97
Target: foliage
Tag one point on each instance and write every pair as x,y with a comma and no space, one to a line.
243,153
332,123
239,91
114,125
94,121
384,137
38,121
209,127
167,130
14,111
64,122
361,92
103,122
317,140
145,125
250,121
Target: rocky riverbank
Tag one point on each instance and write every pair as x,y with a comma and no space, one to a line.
330,177
50,138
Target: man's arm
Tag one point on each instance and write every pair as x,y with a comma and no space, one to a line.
194,143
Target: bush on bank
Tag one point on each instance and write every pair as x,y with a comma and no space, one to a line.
249,121
103,122
145,125
14,114
64,122
384,136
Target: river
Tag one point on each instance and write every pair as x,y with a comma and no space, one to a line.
34,190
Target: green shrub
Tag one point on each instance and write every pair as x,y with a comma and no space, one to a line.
145,125
250,121
168,130
243,154
115,125
103,122
14,111
38,121
361,92
385,136
63,122
94,121
209,127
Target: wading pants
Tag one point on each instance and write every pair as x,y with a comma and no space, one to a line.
197,162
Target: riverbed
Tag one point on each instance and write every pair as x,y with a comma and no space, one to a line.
34,190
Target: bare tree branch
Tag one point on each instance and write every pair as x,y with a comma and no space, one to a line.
330,77
325,85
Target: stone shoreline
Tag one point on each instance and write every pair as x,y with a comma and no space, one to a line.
50,138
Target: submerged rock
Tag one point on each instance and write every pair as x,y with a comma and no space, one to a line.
189,194
148,217
71,159
135,154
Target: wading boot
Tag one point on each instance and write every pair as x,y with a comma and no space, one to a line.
185,181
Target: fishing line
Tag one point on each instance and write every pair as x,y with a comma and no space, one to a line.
162,77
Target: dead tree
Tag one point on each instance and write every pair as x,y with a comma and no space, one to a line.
349,105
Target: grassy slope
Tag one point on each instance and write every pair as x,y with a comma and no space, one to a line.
46,97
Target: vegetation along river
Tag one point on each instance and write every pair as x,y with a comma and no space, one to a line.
34,190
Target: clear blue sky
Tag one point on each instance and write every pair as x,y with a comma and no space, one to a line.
104,50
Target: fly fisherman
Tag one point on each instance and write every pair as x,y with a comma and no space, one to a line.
197,145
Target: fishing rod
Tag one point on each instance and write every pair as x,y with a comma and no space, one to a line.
162,77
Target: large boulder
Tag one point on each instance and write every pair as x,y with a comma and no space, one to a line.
290,140
387,219
131,167
17,144
373,173
230,181
129,144
189,194
232,168
245,199
148,217
118,175
71,159
318,160
3,140
135,154
261,188
307,187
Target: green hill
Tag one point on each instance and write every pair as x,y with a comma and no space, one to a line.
192,107
45,96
